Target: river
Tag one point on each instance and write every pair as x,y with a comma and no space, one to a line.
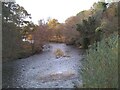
45,70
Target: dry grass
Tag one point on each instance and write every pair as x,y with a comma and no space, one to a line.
59,53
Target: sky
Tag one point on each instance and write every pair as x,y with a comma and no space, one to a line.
58,9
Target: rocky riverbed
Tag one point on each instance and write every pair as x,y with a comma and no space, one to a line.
45,70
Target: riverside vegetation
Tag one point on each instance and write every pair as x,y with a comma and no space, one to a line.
100,68
95,30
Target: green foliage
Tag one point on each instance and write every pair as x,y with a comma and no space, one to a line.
87,26
100,6
100,68
98,34
12,12
85,43
13,17
87,29
102,20
98,9
102,58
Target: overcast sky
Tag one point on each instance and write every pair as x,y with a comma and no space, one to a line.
58,9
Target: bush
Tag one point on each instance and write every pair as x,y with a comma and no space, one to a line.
100,67
23,50
59,53
85,43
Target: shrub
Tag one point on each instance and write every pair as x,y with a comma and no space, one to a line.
59,53
100,67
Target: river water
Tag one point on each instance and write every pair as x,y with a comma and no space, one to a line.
45,70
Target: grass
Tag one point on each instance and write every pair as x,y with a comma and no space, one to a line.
100,67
